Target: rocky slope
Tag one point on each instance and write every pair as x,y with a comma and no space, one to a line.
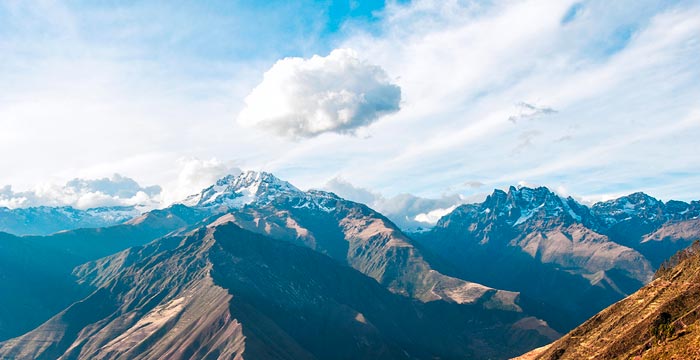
348,232
660,321
556,259
537,243
35,271
654,228
221,292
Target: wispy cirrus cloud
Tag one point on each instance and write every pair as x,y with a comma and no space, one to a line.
134,87
605,74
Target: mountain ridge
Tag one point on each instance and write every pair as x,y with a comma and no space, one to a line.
269,274
240,191
566,245
542,261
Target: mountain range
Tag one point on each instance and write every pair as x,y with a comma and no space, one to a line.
253,267
571,259
46,220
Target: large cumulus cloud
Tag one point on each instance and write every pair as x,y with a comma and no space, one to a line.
302,98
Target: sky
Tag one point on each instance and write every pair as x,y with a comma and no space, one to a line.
438,99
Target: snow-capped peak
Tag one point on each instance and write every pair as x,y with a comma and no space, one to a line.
521,205
234,191
642,207
542,201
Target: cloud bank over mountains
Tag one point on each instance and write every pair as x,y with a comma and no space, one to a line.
303,98
84,194
406,210
193,175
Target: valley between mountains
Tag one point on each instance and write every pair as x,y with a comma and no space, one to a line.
254,268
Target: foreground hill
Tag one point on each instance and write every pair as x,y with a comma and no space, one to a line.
221,292
660,321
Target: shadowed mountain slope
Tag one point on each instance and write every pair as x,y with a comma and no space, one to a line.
346,231
35,271
537,243
224,292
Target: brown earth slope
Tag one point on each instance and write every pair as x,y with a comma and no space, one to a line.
660,321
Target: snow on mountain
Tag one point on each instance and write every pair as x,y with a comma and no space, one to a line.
44,220
258,189
521,206
644,208
235,191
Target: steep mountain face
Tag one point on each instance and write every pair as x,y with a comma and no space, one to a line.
654,228
348,232
660,321
224,292
35,271
45,220
535,242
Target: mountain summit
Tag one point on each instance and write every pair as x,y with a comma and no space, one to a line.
583,258
235,191
252,265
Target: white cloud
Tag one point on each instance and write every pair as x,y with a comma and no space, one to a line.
611,72
345,189
301,98
117,185
433,216
406,210
84,194
139,91
194,175
530,111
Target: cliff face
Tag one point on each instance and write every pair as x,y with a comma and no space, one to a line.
569,259
660,321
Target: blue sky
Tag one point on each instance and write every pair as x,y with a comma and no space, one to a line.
436,98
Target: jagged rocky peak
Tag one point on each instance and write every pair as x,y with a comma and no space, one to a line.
628,205
234,191
677,207
521,204
679,210
543,204
637,206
